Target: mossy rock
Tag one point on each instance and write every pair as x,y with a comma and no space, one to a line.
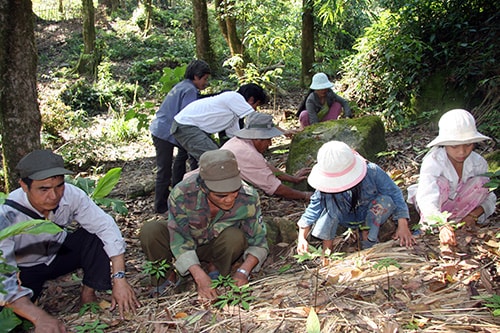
365,134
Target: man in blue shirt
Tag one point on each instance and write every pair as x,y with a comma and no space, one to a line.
183,93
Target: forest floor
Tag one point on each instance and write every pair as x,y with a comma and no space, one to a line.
424,292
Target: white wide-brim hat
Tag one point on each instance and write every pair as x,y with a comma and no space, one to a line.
320,81
457,127
338,168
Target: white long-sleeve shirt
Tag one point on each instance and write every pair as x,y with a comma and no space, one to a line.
75,205
436,164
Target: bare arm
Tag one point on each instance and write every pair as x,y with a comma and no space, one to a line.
290,193
123,295
42,320
302,244
249,263
203,283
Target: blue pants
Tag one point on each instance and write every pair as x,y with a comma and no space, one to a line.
372,216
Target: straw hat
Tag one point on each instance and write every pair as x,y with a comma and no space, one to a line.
339,168
320,81
457,127
258,126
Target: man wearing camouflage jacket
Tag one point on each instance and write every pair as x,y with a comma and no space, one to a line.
213,217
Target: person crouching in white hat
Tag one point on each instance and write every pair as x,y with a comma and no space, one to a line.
350,189
451,176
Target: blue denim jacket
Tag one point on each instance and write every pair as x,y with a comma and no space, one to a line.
376,182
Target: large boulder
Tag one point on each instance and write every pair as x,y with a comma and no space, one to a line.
365,134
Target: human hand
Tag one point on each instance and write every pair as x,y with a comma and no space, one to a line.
240,279
303,173
205,290
124,297
470,222
302,246
48,324
404,236
447,235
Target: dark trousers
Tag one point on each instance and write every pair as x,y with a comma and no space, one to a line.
80,249
222,251
167,175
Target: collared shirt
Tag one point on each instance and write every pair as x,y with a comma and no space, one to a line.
253,166
177,98
217,113
26,250
376,182
437,164
313,105
190,224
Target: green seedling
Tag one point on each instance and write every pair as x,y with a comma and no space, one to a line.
493,302
94,327
93,308
385,264
239,296
157,269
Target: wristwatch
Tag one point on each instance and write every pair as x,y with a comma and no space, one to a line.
118,275
244,272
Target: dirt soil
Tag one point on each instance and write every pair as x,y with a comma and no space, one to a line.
427,293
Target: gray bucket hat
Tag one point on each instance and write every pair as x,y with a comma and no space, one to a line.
258,126
219,170
41,164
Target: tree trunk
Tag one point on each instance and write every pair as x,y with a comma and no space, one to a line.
89,59
200,24
307,50
149,16
227,24
20,119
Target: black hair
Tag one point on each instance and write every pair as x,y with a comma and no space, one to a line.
302,105
342,204
253,90
28,181
196,68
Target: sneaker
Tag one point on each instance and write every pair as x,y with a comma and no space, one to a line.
214,275
366,244
161,289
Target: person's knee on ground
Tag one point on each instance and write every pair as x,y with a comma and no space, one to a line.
155,242
380,209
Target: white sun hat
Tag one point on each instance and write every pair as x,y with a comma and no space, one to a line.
338,168
320,81
457,127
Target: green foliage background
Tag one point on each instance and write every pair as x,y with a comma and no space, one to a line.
405,61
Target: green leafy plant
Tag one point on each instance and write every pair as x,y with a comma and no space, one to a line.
494,182
99,192
157,269
312,254
385,264
493,302
239,296
312,323
95,327
93,308
8,318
